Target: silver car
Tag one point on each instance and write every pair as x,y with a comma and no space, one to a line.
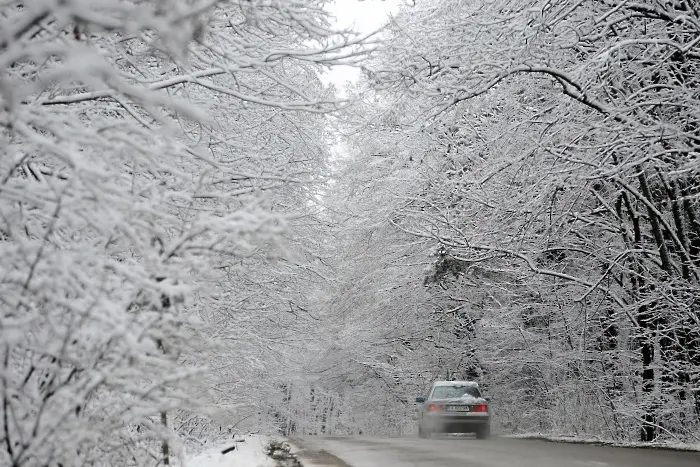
454,407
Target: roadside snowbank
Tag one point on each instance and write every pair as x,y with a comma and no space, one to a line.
249,452
671,446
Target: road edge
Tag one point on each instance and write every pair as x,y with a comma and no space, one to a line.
309,457
598,442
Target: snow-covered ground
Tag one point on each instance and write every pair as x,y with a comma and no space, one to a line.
249,453
624,444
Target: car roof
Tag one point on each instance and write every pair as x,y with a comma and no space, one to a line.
456,383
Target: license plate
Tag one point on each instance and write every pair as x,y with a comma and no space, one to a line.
458,408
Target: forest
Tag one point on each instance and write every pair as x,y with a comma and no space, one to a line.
199,235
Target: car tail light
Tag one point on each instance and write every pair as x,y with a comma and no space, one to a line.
435,408
480,408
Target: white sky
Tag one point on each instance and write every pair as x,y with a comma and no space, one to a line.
363,16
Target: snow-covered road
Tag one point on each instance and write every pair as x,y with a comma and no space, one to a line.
465,452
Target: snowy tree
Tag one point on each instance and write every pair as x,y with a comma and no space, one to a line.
152,151
562,185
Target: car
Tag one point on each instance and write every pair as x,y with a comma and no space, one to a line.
454,407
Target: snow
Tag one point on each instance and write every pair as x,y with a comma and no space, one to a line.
673,446
469,399
457,383
248,453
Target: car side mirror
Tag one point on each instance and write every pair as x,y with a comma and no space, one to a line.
420,400
488,398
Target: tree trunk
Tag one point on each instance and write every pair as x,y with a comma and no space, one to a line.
165,447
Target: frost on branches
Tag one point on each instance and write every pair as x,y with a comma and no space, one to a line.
554,173
151,152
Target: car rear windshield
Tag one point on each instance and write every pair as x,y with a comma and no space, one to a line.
454,392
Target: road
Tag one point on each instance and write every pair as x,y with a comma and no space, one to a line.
466,452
